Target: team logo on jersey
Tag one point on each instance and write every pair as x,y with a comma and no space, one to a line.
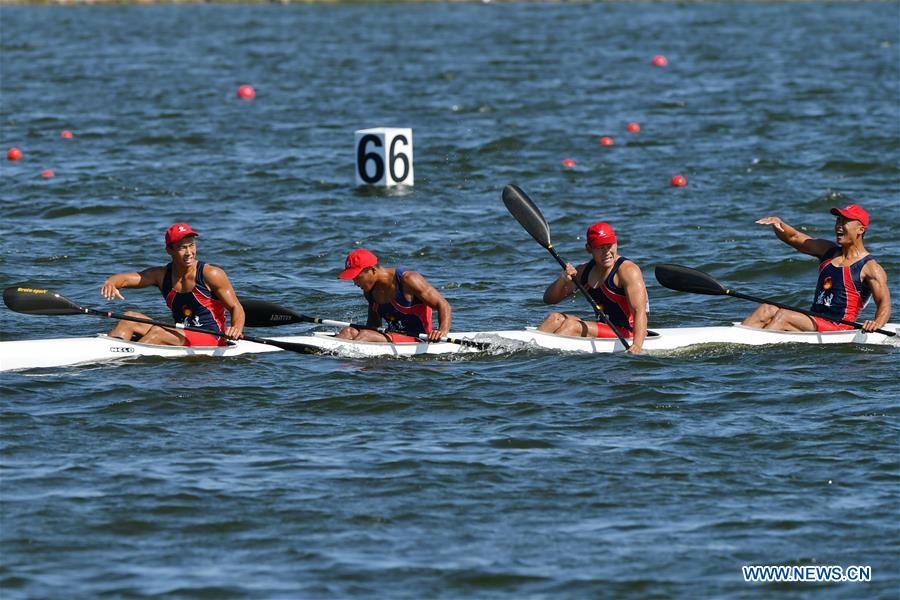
187,311
825,299
827,283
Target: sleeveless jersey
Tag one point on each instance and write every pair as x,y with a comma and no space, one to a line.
198,308
840,292
610,296
409,317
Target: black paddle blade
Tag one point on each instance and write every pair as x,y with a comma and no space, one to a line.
527,214
686,279
259,313
39,301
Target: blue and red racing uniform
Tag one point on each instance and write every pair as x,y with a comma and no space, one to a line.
612,299
840,291
198,308
400,315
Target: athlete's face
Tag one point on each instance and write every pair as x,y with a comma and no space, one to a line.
604,254
366,279
846,231
183,251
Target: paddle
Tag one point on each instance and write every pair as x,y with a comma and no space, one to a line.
260,313
529,216
31,300
686,279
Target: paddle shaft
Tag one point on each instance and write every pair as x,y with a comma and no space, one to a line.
530,217
421,336
278,315
598,310
302,348
808,313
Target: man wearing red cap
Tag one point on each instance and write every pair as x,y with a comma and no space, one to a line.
614,282
196,292
403,298
848,277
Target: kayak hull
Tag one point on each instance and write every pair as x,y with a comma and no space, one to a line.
61,352
682,337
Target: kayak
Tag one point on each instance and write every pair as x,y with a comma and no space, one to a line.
675,338
61,352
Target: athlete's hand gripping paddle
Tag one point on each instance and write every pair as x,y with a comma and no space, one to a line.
529,216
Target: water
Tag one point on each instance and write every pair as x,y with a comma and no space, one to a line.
528,474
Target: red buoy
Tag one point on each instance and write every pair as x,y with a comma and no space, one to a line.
633,127
246,92
47,173
568,163
65,134
606,141
679,181
660,61
13,154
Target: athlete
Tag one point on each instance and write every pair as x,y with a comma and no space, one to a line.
403,298
848,277
614,282
197,293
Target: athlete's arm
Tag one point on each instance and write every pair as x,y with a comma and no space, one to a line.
632,281
132,279
873,275
797,239
563,286
220,285
424,291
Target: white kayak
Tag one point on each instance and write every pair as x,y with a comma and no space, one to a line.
33,354
61,352
675,338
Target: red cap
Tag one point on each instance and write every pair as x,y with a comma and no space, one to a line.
853,211
356,261
178,232
599,234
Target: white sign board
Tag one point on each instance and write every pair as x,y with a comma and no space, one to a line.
384,156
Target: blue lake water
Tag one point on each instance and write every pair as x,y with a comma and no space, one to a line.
526,475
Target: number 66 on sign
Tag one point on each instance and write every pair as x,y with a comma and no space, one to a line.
384,156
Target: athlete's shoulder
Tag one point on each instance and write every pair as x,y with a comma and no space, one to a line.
154,274
828,250
631,269
209,268
629,264
413,279
214,274
873,267
584,265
